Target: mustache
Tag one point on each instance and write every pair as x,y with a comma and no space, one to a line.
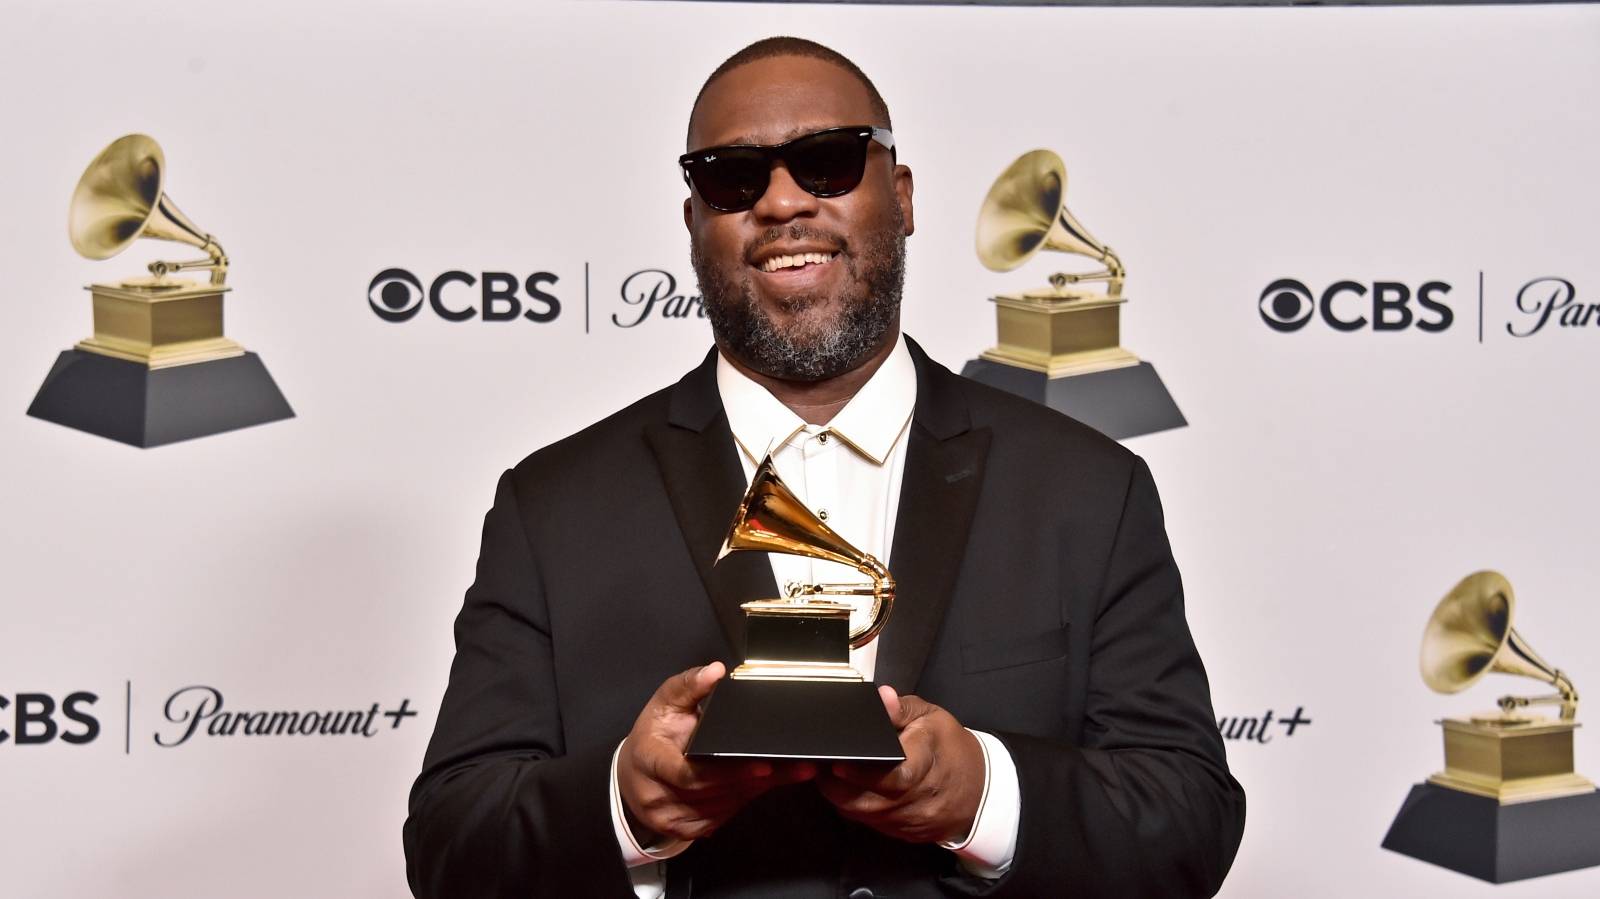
794,231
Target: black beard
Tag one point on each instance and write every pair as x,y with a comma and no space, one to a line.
741,325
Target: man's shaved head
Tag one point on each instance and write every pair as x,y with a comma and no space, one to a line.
767,48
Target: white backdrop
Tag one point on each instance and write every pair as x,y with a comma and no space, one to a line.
1329,489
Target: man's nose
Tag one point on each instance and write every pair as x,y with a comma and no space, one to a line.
784,199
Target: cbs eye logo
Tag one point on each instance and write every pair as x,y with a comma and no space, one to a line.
1289,305
396,295
1286,305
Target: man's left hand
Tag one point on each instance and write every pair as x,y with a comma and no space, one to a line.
932,796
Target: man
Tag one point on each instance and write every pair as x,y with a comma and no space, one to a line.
1054,714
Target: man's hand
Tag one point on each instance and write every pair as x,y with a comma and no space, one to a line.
932,796
668,795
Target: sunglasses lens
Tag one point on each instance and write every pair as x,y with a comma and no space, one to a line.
732,180
829,164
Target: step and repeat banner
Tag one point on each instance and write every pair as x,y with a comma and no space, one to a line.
1360,251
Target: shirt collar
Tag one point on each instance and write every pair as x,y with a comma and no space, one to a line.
871,423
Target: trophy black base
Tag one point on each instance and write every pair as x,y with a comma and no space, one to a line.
794,719
1479,837
130,403
1119,403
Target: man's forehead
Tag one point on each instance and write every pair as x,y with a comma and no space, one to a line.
768,137
769,101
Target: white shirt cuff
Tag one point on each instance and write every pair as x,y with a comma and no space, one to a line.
988,850
644,863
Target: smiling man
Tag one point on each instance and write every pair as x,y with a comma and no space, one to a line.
1052,709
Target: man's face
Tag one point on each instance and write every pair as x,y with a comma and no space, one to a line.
820,319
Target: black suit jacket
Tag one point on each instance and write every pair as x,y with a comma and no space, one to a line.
1038,600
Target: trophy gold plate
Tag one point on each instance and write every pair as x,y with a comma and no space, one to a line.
175,323
1510,761
796,695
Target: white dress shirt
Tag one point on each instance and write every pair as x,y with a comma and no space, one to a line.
848,472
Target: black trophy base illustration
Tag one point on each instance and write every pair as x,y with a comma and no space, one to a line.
1479,837
1119,403
133,404
796,719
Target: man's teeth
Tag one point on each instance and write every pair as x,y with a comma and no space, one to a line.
795,261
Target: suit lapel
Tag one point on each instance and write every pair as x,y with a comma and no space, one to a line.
704,481
938,496
939,490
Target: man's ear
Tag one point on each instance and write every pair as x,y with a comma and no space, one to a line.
688,214
902,195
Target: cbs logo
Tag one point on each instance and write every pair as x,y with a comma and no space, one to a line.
34,721
1288,305
396,295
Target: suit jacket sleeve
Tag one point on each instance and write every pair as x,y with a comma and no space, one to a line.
1144,804
502,808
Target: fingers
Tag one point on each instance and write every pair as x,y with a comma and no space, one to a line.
891,704
693,828
683,691
852,801
691,822
689,801
913,709
751,778
688,777
694,813
884,780
794,772
904,710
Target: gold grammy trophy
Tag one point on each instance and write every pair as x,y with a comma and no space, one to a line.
1508,804
1061,345
158,367
796,694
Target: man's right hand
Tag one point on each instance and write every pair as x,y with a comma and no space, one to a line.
668,795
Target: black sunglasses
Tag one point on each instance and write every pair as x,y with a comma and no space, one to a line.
826,163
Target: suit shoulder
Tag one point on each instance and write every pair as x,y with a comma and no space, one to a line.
598,448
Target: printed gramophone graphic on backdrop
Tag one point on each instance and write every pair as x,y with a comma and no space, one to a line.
796,695
158,368
1507,805
1061,345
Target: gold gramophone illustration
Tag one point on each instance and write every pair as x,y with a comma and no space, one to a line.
1508,804
158,367
796,695
1061,345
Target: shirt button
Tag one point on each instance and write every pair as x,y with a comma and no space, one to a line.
822,514
823,437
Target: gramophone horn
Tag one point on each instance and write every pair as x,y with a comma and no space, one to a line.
120,199
772,519
1025,211
1470,634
